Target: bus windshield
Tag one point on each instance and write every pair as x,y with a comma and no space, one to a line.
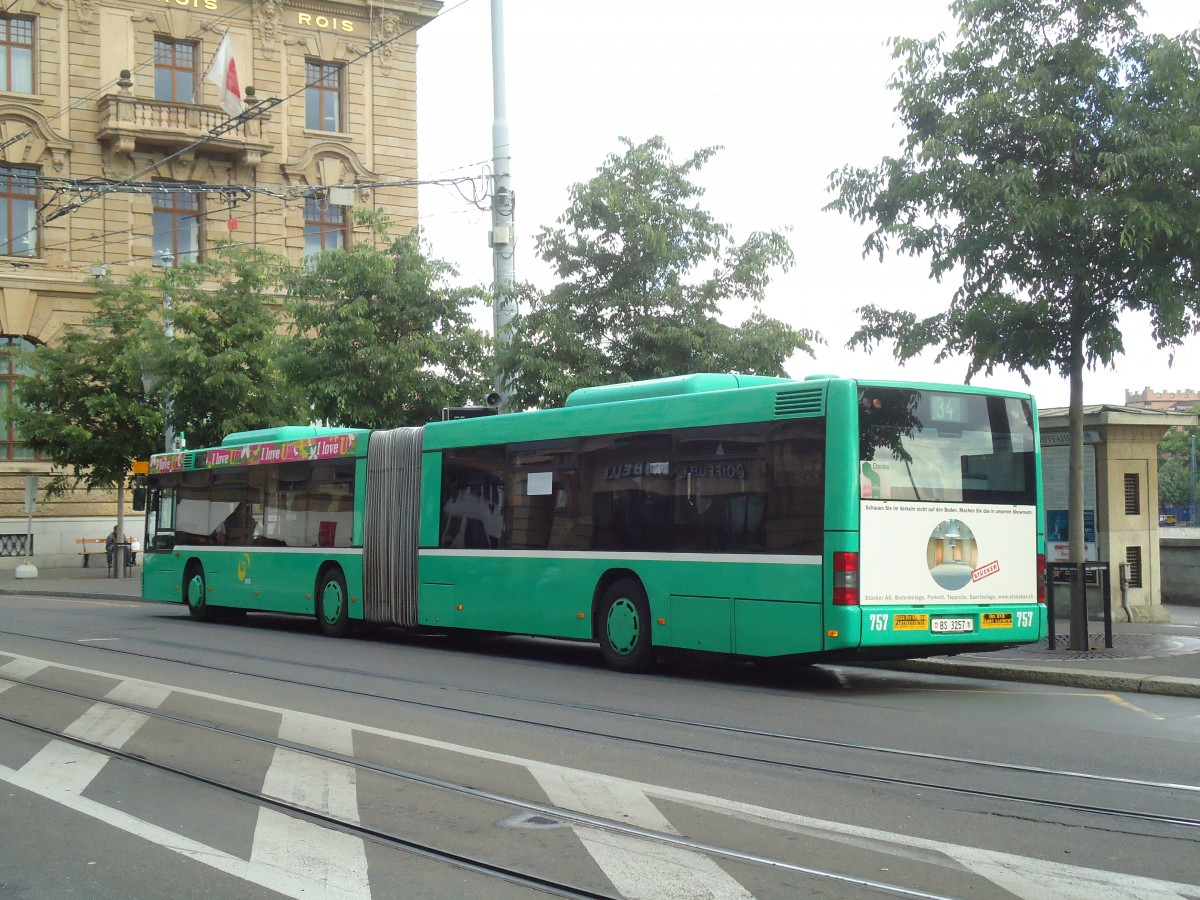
935,446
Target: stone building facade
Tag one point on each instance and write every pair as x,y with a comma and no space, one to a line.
109,164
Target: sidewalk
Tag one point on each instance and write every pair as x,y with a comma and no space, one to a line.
1145,658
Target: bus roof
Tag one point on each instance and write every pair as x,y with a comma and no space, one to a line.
291,443
284,433
667,387
680,401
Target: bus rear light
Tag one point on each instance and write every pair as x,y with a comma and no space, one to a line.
845,578
1041,578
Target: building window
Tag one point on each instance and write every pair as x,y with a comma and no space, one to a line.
13,364
322,96
174,70
18,222
16,54
1133,494
1133,556
177,218
325,227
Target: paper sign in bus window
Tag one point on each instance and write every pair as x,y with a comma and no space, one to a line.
540,484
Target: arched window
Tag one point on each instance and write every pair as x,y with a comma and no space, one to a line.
12,365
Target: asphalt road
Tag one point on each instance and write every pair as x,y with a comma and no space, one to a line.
146,755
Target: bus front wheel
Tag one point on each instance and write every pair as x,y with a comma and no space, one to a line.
333,604
195,593
623,620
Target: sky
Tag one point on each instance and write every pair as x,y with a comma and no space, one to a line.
790,91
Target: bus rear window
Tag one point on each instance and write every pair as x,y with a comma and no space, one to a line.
935,446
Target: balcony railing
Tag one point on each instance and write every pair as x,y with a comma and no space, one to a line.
128,123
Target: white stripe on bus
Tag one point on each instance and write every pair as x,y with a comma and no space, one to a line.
623,557
249,548
614,556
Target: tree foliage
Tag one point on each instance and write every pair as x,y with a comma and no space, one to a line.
1052,162
83,405
380,338
644,274
223,369
1175,466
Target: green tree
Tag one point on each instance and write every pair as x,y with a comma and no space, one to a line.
223,370
1174,483
1051,162
1175,466
644,273
380,338
83,405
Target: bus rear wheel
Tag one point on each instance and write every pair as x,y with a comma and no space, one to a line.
195,593
333,604
623,627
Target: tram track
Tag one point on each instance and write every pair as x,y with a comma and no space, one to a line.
787,739
408,844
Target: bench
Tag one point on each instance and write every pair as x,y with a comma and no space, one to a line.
91,547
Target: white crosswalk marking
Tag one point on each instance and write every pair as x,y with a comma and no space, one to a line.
640,869
141,693
107,725
68,767
21,668
281,862
310,861
329,863
72,768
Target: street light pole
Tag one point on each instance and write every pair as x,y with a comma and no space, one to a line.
1193,522
168,259
502,238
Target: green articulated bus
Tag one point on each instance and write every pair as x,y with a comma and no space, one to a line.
817,520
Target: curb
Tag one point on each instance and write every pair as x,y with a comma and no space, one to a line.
1123,682
72,594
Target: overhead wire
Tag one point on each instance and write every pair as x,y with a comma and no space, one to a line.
373,47
208,25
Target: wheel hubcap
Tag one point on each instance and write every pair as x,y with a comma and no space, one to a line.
196,592
624,628
331,603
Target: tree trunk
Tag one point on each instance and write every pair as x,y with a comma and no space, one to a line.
1079,634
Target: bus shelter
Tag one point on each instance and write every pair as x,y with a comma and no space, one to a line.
1120,501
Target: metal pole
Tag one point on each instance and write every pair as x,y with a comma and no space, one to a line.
503,200
169,333
1193,523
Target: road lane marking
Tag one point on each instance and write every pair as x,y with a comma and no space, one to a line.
107,725
262,875
140,693
1033,878
22,668
69,767
307,860
304,853
1024,876
639,869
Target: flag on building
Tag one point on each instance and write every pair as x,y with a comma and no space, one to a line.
223,73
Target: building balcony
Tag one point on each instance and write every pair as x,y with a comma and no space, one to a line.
128,123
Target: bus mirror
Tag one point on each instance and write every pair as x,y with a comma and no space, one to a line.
139,499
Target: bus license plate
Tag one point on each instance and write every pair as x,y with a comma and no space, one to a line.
953,625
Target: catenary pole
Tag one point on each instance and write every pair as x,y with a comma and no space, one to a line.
501,238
